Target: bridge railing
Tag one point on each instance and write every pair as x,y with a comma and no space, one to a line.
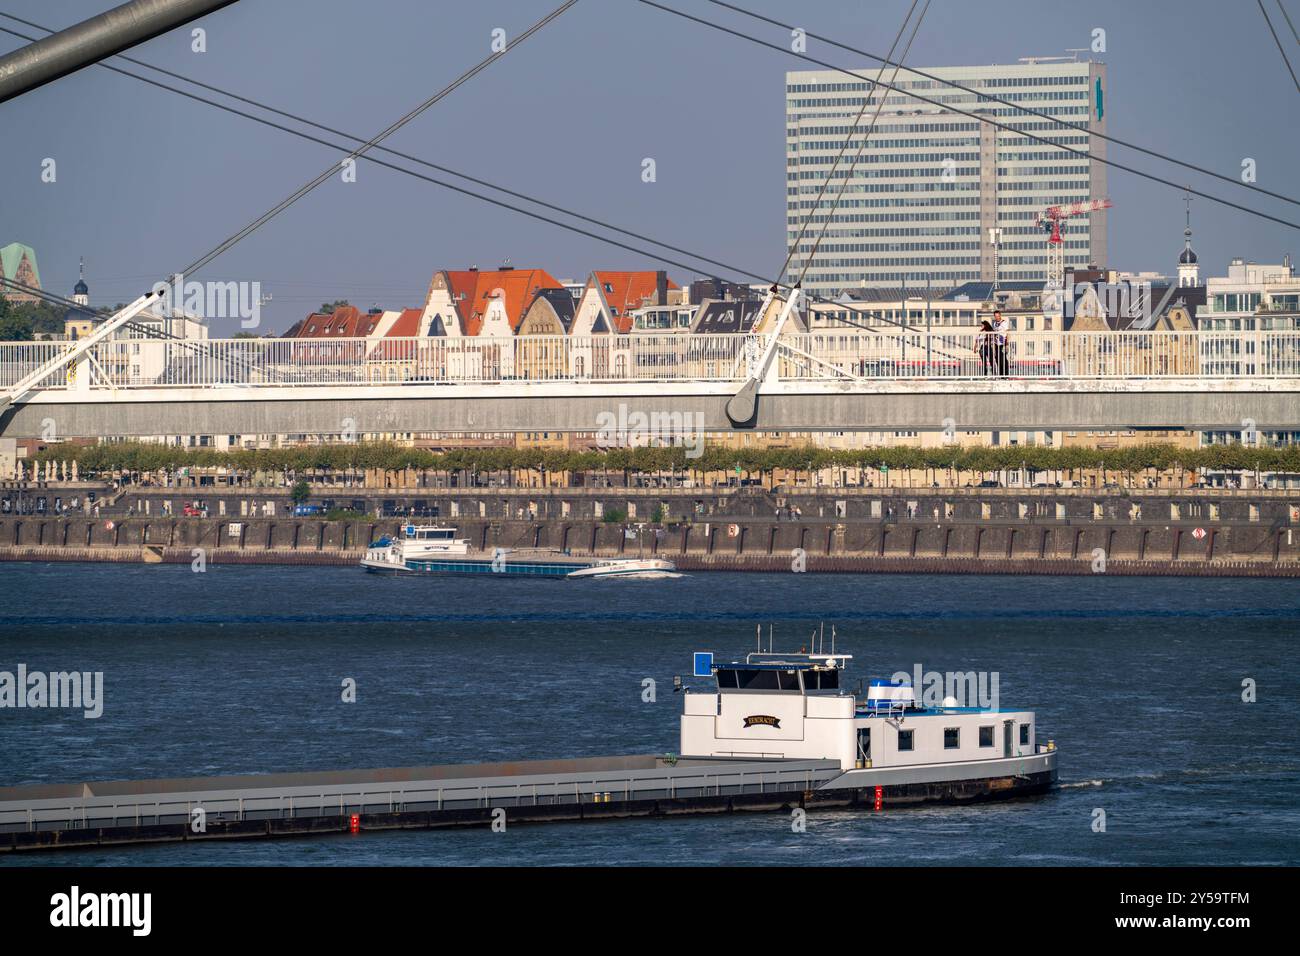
857,353
18,359
897,354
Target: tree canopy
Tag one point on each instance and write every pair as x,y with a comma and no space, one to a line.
359,456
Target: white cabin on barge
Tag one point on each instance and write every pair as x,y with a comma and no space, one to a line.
794,706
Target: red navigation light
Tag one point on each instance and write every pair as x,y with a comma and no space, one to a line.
354,822
880,797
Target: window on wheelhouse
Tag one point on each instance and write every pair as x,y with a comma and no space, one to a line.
751,679
905,740
821,680
951,738
986,736
1024,735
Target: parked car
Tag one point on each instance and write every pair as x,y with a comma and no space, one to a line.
192,511
308,511
989,483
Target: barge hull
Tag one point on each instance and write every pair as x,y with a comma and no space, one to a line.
276,807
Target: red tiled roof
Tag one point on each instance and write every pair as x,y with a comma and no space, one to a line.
345,322
407,324
629,291
519,286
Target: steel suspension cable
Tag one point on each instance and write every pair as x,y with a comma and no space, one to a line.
1082,154
861,147
803,227
1020,107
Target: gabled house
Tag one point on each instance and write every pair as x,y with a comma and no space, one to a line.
345,322
609,299
604,318
491,304
393,356
541,352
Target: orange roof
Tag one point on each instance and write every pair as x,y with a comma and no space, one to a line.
345,322
407,324
625,291
518,286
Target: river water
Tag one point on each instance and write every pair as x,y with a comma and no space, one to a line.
239,670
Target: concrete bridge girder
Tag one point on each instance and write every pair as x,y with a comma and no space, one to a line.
971,405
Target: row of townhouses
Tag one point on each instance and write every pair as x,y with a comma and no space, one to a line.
517,302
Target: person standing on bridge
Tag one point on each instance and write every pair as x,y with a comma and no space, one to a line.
984,346
1000,329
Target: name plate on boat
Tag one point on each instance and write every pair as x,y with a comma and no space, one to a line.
763,720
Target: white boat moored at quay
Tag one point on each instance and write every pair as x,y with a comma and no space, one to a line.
643,568
435,549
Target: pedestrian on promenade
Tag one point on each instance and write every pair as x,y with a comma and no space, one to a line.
984,347
1000,329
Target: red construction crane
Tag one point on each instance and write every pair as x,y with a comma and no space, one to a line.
1050,219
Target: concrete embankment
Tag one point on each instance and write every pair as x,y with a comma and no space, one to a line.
930,532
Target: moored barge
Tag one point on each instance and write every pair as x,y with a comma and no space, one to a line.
437,550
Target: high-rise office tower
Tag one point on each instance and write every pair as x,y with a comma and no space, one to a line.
930,183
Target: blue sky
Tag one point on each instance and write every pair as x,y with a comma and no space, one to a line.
147,181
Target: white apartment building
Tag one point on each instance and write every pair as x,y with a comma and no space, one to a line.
931,183
1252,297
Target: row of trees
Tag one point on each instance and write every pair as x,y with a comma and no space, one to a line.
352,458
20,321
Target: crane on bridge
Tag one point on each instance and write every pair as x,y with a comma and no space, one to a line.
1050,220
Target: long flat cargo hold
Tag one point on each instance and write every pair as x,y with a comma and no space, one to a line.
45,816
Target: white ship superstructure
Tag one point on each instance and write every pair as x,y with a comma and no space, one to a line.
794,706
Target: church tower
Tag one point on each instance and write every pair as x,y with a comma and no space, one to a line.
81,291
1189,273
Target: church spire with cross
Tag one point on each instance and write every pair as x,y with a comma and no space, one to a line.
1189,272
81,291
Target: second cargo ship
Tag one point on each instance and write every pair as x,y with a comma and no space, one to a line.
435,549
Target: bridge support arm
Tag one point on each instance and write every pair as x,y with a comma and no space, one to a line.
742,408
81,348
95,39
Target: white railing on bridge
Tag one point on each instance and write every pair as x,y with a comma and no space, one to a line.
856,354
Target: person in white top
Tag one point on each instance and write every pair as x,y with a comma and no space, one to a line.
1000,329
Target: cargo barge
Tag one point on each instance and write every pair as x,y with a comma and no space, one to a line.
437,550
773,732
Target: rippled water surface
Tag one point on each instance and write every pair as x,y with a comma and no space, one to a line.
238,670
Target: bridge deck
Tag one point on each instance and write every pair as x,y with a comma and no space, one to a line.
864,380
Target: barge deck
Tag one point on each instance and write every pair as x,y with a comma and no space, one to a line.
45,816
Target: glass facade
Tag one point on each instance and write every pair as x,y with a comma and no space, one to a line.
923,193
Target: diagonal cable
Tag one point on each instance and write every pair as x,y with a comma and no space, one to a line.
692,267
333,168
378,149
880,103
1020,107
1278,40
803,227
979,117
81,347
1287,17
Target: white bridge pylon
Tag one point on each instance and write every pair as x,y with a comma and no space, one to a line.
742,408
78,357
